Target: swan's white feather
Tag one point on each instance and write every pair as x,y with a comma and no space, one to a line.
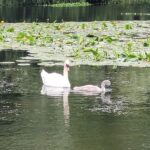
54,79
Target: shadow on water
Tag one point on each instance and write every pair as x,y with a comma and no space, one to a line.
12,55
56,120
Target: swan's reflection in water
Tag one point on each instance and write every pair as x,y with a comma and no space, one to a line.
61,92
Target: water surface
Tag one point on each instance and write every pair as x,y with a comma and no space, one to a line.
125,11
73,121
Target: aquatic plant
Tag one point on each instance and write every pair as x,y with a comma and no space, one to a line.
129,51
128,26
114,23
58,26
24,37
77,53
11,29
117,55
108,38
104,25
129,46
129,55
147,43
1,37
95,52
83,26
91,44
43,41
74,36
147,56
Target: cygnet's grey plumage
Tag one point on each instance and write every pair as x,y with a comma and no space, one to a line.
93,88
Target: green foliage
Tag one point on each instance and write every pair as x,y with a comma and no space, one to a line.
107,38
11,29
114,24
129,51
32,39
48,39
128,26
129,46
83,26
74,36
95,52
69,42
129,55
83,45
77,53
43,41
116,54
147,56
104,25
58,27
1,37
26,38
147,43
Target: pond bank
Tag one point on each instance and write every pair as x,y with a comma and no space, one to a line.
118,43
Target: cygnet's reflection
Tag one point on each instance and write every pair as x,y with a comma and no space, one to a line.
57,91
93,93
108,105
106,98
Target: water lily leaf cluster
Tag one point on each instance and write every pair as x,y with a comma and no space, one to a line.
122,41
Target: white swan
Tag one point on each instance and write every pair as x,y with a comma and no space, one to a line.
55,79
93,88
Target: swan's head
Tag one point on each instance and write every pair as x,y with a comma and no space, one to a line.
105,84
67,64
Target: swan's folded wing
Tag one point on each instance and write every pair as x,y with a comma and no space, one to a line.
54,79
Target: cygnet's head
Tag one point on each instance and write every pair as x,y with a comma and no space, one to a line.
67,64
106,83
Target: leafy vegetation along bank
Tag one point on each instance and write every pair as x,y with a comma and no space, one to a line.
97,43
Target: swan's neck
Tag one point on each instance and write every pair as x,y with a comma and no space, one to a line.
65,72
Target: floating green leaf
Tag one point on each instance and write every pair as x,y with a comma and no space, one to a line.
11,29
128,26
96,53
147,43
1,37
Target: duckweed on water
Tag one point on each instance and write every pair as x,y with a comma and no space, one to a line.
89,41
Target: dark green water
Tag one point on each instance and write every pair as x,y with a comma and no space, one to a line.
117,121
120,11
